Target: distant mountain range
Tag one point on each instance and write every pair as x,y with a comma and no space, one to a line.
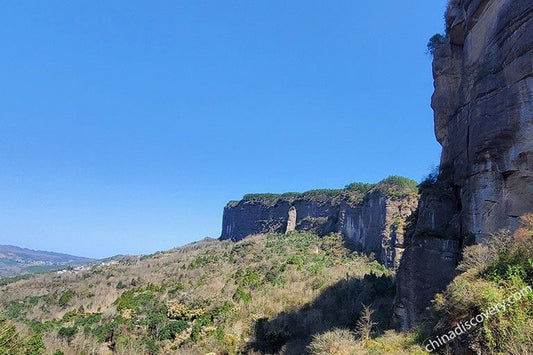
17,261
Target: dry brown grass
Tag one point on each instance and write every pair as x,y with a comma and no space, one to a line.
280,273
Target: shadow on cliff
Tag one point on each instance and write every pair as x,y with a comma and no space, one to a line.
338,306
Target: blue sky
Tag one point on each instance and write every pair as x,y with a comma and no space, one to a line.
126,126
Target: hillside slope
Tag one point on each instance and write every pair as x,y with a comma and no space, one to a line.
269,293
16,261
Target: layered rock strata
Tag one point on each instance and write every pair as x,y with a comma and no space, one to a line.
483,108
374,221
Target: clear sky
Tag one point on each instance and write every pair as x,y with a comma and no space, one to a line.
126,126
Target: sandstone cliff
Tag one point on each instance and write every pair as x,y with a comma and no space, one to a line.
483,105
372,216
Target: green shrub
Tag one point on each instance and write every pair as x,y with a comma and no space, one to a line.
11,279
35,345
155,323
198,325
41,327
317,267
103,331
249,278
493,274
87,321
397,187
203,260
15,309
222,312
67,332
241,295
65,298
9,339
173,328
273,276
151,345
138,300
317,284
361,187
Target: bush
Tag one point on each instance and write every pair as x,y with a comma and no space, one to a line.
434,42
395,186
9,338
173,328
14,310
203,260
139,300
250,278
65,298
67,333
241,295
334,342
398,187
179,310
493,273
35,345
365,325
360,187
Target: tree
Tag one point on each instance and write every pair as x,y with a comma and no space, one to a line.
364,324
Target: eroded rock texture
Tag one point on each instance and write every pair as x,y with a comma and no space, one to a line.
375,223
483,104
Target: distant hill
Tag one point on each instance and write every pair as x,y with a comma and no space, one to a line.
17,261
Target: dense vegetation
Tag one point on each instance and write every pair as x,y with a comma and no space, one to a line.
393,186
492,274
267,293
294,293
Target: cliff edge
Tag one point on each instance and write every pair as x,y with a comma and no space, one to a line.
372,216
483,108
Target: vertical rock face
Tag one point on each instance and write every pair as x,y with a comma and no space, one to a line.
483,105
374,220
378,225
256,214
291,220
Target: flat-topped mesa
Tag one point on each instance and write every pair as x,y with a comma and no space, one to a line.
483,105
373,216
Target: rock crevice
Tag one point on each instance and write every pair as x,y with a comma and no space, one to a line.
483,107
373,221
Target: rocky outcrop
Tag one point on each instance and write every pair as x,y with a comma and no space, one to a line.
373,217
378,225
483,105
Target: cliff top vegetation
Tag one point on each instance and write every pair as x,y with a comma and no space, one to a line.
393,186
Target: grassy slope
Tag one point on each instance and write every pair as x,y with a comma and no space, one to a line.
491,274
265,293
